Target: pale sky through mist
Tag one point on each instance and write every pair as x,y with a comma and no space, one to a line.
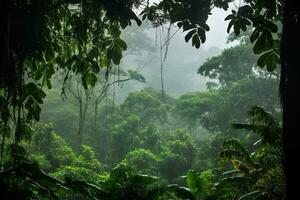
183,60
218,26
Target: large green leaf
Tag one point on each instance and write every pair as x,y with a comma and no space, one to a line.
189,35
263,43
269,59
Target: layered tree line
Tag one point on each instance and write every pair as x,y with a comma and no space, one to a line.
176,139
201,145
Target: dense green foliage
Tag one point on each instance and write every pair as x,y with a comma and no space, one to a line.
186,141
168,138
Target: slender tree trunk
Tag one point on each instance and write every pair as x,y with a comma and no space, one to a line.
86,103
95,117
4,49
83,106
96,106
289,86
4,39
80,126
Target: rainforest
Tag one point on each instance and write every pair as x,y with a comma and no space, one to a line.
149,99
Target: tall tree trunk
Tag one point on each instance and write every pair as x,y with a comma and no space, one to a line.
289,88
3,57
95,117
80,124
4,39
83,106
86,103
96,107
